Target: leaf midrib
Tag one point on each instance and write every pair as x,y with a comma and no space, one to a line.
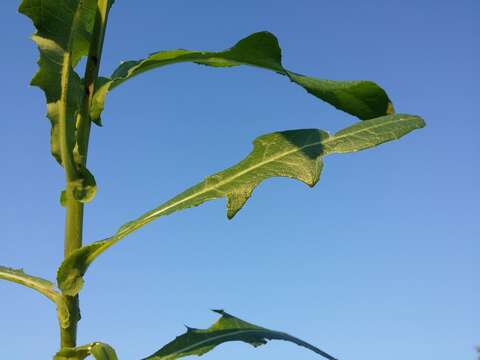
144,220
218,337
206,341
23,279
268,334
261,163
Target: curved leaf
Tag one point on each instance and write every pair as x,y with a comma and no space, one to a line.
63,37
227,328
43,286
103,352
98,350
296,154
363,99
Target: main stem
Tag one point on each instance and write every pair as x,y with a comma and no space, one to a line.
74,208
73,241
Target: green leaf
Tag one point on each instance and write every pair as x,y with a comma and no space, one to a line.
63,37
227,328
363,99
85,187
42,286
98,350
64,30
103,352
297,154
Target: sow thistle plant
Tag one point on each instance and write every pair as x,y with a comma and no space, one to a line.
69,30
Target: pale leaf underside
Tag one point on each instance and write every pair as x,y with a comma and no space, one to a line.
296,154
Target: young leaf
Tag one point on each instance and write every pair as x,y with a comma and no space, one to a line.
297,154
102,351
98,350
43,286
227,328
63,37
363,99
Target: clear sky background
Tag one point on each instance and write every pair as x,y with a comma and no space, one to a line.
379,261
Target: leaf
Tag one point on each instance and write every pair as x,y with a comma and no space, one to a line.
297,154
363,99
85,187
42,286
64,30
63,37
227,328
103,352
98,350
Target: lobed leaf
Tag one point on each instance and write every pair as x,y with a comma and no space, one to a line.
40,285
64,30
363,99
296,154
227,328
98,350
63,38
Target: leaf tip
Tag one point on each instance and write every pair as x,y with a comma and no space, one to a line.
219,311
237,199
231,213
189,328
421,122
390,108
97,121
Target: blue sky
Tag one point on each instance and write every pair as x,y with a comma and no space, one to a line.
379,260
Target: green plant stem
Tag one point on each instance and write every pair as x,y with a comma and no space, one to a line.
91,75
73,241
74,208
